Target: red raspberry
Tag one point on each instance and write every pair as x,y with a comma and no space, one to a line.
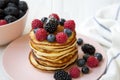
3,22
54,15
92,62
36,23
41,34
74,72
61,37
69,24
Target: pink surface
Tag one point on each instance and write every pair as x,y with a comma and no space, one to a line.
17,66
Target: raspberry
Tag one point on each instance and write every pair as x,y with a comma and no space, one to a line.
61,37
74,72
92,62
41,34
3,22
62,75
54,15
36,23
70,24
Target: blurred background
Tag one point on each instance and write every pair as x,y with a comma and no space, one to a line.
79,10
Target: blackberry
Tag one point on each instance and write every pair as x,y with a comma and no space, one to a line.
62,75
11,5
88,49
1,14
61,21
99,56
85,70
23,6
14,1
21,13
81,62
80,41
85,57
51,25
44,19
11,11
2,4
10,18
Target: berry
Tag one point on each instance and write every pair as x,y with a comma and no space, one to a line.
36,23
61,37
11,11
74,72
85,57
99,56
80,41
1,14
35,30
11,5
54,15
51,37
61,21
10,18
44,19
2,4
21,13
51,25
69,24
85,70
92,62
41,34
23,6
81,62
68,32
14,1
88,49
3,22
62,75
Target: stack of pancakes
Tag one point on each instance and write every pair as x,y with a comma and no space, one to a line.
52,56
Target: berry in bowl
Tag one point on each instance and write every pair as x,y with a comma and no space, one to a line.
13,14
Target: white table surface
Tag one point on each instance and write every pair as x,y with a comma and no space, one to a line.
79,10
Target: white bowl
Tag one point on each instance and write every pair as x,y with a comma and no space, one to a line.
11,31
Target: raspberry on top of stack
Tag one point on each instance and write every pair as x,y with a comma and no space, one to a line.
53,43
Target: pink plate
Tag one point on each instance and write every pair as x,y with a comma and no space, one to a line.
17,66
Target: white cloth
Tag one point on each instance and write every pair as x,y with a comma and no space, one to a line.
104,27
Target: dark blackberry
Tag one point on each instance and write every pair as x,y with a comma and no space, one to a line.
81,62
85,70
14,1
99,56
10,18
51,25
1,14
85,57
61,21
21,13
62,75
44,19
11,5
80,41
2,4
23,6
11,11
88,49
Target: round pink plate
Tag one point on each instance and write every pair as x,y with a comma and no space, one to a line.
17,66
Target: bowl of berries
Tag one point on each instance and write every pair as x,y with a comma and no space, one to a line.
13,15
